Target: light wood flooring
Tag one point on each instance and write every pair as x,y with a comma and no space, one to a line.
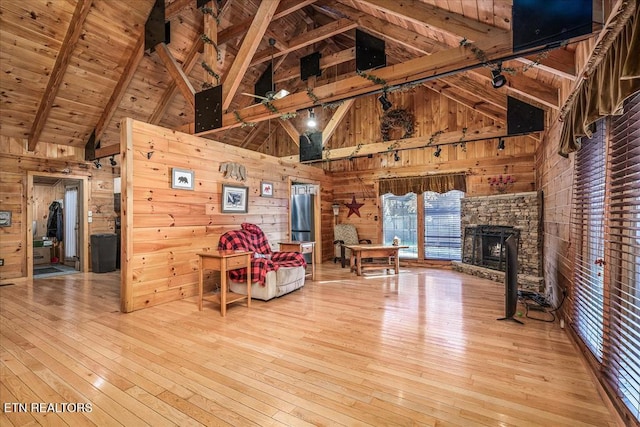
421,348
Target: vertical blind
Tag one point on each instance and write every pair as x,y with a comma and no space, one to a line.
622,345
588,238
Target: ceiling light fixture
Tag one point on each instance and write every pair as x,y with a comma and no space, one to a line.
497,79
97,164
311,122
386,104
501,144
437,152
112,160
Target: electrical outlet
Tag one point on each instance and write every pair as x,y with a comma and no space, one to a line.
1,262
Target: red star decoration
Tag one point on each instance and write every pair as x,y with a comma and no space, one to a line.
354,207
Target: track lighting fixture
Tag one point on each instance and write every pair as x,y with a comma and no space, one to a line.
396,156
497,79
97,164
386,104
311,122
501,144
112,160
437,152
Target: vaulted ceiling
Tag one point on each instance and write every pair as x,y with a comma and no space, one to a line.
72,69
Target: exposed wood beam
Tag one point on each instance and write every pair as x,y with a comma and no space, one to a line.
252,39
422,68
468,100
109,150
120,89
381,28
253,135
495,97
307,39
188,64
421,13
519,84
285,8
177,74
560,62
59,69
291,131
454,137
336,119
210,54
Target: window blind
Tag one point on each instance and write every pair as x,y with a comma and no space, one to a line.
588,301
442,235
622,343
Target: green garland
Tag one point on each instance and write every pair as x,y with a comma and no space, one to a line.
312,95
243,123
269,105
210,71
479,53
332,105
211,12
397,118
375,79
289,116
433,136
207,40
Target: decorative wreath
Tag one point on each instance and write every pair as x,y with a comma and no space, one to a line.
397,119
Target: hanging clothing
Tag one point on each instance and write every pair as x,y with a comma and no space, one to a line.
54,223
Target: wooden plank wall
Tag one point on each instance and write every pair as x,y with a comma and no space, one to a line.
15,162
167,227
434,113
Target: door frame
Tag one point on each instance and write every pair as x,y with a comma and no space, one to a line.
83,232
317,220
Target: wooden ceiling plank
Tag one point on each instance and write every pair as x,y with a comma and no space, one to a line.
559,62
425,67
190,61
285,8
469,100
177,74
252,39
291,131
253,135
59,69
442,20
307,39
527,87
493,96
336,119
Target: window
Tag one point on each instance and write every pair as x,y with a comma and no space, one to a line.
442,235
605,306
400,219
438,220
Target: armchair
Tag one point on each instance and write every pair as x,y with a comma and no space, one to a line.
345,234
273,273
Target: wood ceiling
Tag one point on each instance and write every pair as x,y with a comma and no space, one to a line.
71,68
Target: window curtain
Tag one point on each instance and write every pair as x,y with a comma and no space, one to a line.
420,184
613,75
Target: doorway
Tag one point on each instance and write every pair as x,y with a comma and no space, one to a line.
57,241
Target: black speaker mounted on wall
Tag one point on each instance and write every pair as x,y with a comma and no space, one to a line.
156,30
208,109
311,146
310,66
523,118
369,52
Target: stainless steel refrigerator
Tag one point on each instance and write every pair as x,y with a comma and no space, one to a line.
302,219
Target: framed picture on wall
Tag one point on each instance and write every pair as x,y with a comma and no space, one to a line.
235,199
182,179
266,189
5,218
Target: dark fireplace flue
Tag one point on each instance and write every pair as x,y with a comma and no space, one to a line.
484,245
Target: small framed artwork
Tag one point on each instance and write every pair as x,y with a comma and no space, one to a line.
266,189
5,218
234,199
182,179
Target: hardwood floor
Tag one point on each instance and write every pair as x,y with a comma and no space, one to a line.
421,348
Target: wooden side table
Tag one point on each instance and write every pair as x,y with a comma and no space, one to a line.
224,261
303,248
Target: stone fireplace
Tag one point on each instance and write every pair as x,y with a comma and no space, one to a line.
487,221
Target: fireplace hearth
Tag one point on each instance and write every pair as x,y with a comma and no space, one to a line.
484,245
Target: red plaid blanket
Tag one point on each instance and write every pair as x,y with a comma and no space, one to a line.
252,238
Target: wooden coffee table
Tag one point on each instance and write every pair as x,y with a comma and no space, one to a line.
358,252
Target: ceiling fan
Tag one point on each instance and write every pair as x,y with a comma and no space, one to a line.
270,95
